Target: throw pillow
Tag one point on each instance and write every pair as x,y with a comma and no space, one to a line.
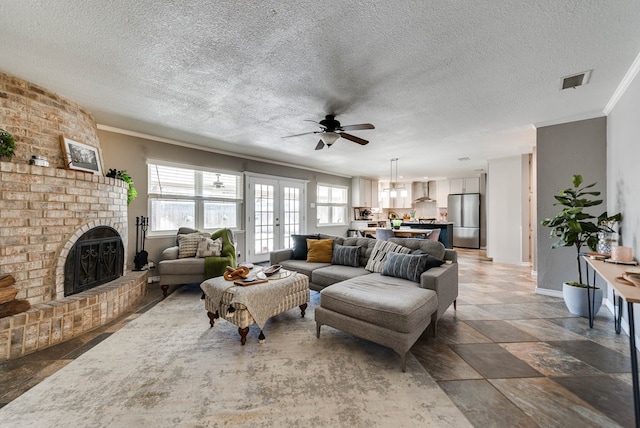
346,255
320,250
409,266
209,247
188,244
379,254
300,245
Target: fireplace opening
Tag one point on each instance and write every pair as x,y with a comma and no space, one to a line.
96,258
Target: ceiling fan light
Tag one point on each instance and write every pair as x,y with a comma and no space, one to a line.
218,184
329,138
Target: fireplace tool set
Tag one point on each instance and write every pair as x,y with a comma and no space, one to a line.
141,258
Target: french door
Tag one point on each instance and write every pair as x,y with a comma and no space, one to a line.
275,211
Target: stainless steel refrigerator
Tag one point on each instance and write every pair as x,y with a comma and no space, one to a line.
464,213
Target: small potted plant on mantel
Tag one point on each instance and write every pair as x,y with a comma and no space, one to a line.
132,193
7,144
575,228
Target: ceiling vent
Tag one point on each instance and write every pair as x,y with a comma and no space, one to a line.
576,80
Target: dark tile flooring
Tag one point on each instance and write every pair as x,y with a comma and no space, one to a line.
507,357
511,358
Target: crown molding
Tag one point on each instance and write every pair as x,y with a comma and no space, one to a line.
623,86
150,137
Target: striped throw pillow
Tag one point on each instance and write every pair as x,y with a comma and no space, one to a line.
379,254
409,266
346,255
188,244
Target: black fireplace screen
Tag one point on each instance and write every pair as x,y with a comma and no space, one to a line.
96,258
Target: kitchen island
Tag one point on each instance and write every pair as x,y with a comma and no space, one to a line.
411,229
446,230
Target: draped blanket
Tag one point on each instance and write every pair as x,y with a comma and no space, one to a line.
215,266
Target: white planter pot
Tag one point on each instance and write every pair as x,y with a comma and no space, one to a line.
576,299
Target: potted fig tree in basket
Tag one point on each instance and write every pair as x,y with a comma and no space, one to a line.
573,227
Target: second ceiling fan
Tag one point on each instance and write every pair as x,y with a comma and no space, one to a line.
331,131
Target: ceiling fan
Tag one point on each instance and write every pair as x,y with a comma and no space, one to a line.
331,131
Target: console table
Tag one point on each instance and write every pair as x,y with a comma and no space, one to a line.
630,294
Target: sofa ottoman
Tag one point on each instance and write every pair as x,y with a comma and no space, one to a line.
393,316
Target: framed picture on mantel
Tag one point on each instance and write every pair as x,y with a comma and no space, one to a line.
80,156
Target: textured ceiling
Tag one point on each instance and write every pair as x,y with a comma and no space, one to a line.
440,80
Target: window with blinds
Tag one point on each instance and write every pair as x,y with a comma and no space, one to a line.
183,196
331,203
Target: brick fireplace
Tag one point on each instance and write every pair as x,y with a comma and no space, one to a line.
40,226
44,212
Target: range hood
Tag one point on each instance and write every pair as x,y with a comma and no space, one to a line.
422,192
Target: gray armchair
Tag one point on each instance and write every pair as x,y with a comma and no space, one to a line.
174,270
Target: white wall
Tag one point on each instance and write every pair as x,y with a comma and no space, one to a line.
507,209
623,168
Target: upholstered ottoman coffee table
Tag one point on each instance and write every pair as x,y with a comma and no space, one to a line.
389,315
244,306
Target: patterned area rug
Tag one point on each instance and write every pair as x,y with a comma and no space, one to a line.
167,368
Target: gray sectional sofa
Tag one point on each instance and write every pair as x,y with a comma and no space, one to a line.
385,295
443,280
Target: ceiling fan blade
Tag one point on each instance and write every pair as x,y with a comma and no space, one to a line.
320,145
304,133
354,138
358,127
324,128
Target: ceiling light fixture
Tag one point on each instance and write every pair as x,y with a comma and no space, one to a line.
394,186
329,137
218,184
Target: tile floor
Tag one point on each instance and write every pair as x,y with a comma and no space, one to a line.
511,358
507,357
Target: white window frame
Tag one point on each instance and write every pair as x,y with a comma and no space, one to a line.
330,205
198,198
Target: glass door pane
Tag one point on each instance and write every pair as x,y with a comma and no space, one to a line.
275,211
291,214
263,229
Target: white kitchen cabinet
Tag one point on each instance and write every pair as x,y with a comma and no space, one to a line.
456,185
472,185
433,190
364,192
442,193
464,185
405,202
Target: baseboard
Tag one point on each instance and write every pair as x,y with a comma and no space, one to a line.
547,292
